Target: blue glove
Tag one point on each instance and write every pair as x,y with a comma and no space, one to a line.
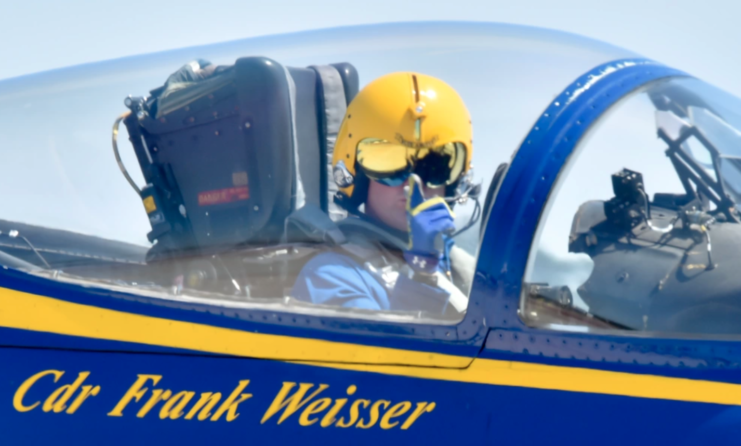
428,221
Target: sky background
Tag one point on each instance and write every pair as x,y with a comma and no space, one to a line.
699,37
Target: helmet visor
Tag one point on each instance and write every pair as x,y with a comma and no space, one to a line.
391,163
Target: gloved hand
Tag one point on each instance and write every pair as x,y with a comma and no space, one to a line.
428,221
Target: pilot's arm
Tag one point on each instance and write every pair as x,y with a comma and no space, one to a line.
336,279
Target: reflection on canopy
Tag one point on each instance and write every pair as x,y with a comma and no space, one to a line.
55,126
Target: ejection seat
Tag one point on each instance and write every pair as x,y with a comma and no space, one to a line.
227,159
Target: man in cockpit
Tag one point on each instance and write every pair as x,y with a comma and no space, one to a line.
404,145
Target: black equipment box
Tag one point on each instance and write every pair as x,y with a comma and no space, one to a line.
227,158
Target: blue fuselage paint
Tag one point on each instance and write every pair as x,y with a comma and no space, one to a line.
463,412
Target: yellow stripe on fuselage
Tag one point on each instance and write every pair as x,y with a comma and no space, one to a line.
570,379
43,314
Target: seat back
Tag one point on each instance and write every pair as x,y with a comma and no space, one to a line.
227,159
338,84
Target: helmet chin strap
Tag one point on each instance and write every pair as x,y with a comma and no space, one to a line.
465,190
475,216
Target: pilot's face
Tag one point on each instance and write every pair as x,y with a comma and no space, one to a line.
389,204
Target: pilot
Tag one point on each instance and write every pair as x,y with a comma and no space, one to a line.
403,147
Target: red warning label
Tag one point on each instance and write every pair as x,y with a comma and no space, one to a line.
227,195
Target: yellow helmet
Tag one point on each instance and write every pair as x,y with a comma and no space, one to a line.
399,124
